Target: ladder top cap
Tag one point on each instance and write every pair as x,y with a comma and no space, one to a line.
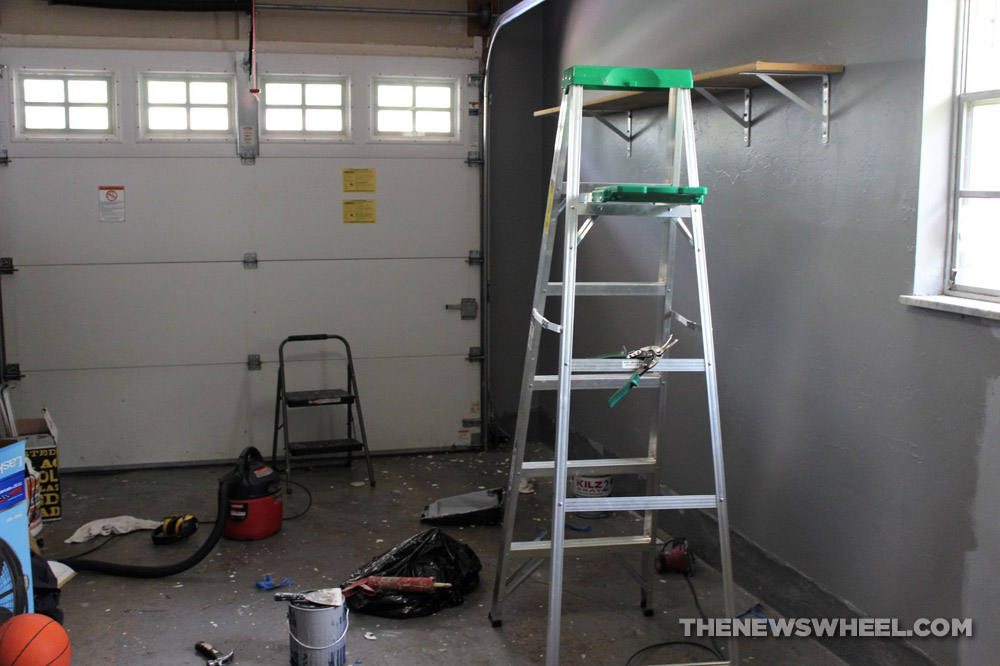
626,78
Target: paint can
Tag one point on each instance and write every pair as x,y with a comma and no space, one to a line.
592,486
317,634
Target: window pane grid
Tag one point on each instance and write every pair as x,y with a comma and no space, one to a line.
303,108
414,108
195,106
65,104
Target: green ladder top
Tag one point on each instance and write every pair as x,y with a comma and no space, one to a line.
626,78
649,194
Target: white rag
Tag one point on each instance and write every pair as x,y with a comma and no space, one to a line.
116,525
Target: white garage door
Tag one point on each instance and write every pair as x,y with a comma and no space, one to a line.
136,333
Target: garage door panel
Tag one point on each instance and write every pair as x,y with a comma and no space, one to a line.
385,308
408,403
51,210
142,416
71,317
424,208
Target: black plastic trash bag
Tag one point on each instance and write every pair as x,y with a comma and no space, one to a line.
428,554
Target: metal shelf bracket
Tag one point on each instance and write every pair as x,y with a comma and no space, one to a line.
744,120
626,135
822,112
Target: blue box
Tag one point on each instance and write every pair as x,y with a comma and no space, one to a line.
16,594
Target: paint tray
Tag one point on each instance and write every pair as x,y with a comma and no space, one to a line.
483,507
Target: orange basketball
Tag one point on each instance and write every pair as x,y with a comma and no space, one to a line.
33,640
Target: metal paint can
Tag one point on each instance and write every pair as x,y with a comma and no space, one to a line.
317,634
592,486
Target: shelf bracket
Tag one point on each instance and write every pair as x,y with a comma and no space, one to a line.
823,112
626,135
743,121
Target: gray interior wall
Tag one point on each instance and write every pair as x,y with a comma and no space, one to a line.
518,181
861,435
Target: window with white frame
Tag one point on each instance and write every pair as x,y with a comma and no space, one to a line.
415,108
186,106
64,105
974,256
304,107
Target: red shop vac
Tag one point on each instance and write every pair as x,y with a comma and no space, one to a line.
249,506
255,504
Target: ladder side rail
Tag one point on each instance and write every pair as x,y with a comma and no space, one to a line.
570,231
665,276
675,136
352,384
658,419
552,212
279,398
711,381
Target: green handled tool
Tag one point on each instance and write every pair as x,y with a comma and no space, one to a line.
649,357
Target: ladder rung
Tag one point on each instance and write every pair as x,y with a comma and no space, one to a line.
322,446
610,289
640,503
542,548
543,468
649,380
631,365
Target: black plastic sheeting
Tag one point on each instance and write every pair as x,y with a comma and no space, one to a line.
431,553
163,5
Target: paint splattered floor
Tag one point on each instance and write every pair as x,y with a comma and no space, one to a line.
114,620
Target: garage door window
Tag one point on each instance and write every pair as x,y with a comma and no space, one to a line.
304,108
415,108
65,105
186,107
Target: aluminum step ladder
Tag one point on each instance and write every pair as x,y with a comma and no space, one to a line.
582,204
356,438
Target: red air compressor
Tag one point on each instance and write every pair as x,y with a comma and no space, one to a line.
255,504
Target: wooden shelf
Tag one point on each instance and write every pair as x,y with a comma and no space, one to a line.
740,76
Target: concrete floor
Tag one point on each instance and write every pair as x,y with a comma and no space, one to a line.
114,620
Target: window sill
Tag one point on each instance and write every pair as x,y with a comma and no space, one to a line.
963,306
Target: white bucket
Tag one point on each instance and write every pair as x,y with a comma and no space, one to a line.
592,486
317,634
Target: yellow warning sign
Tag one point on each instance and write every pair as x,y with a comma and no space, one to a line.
359,180
359,210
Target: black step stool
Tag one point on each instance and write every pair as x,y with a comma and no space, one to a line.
345,397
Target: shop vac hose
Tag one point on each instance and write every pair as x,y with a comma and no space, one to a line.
226,485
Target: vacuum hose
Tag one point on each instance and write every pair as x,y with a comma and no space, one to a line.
226,485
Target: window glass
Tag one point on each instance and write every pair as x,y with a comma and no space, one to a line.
434,97
324,120
395,121
45,117
166,92
87,92
88,118
44,90
983,56
983,169
324,94
395,96
283,94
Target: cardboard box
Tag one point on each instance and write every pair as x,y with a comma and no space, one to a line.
41,444
15,551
